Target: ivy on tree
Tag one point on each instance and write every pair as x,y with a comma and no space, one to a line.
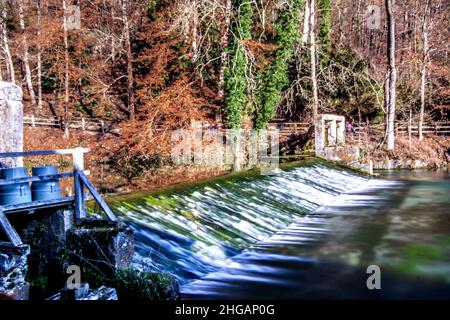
236,96
276,78
325,22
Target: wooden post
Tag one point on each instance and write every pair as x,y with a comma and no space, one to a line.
367,131
102,126
410,126
83,124
78,167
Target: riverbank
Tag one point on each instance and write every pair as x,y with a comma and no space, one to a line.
111,177
408,154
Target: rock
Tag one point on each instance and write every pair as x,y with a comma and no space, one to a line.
100,247
102,293
75,294
420,164
84,293
13,269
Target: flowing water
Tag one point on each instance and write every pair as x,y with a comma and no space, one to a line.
308,232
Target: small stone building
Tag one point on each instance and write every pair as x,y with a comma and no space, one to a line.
329,133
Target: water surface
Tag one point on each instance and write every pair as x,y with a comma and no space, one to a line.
309,232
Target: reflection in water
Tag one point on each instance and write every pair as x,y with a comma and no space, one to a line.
309,232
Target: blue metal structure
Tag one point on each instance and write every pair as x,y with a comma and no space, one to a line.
47,189
80,181
15,193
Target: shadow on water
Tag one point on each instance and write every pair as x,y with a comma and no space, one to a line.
309,232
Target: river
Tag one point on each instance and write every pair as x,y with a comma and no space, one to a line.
309,232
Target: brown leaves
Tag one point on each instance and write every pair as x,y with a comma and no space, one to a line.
258,47
176,106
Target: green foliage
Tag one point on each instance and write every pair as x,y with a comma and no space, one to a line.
276,78
135,285
345,85
235,74
235,88
325,22
245,19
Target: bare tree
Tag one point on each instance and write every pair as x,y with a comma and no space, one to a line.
130,81
194,32
423,72
224,44
25,59
306,18
5,43
392,76
66,69
39,55
313,52
113,38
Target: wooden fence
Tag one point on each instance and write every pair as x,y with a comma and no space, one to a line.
72,123
404,129
285,128
289,128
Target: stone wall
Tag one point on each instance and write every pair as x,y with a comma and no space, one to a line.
53,241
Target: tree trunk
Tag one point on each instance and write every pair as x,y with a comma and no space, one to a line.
306,18
66,71
312,38
194,33
224,44
113,39
26,59
392,76
423,75
39,56
386,98
130,81
8,58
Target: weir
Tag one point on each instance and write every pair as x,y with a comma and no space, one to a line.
297,235
191,231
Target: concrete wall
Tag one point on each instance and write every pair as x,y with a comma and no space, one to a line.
11,122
